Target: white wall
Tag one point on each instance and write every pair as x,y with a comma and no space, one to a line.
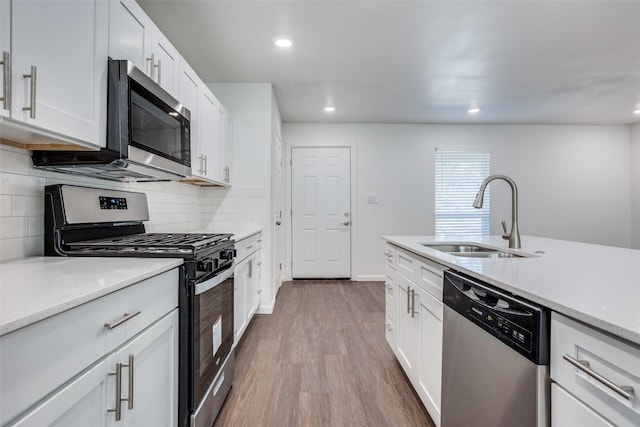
252,110
574,181
635,186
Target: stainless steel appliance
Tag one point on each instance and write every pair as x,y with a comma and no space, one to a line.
495,358
82,221
148,134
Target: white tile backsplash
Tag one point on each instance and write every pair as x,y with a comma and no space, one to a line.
173,207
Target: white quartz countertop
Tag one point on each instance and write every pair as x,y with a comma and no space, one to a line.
32,289
599,285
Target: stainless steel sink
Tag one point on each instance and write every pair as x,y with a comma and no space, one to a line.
471,250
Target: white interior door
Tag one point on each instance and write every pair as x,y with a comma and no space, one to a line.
321,213
278,191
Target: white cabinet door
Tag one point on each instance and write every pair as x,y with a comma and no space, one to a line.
211,129
5,53
189,92
408,327
59,66
251,287
129,33
239,300
81,403
227,145
430,363
164,63
150,378
567,411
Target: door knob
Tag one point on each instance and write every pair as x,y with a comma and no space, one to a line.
278,223
346,223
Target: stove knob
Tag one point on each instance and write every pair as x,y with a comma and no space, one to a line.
227,254
207,264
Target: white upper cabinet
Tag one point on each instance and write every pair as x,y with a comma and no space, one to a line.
5,58
211,131
133,36
58,64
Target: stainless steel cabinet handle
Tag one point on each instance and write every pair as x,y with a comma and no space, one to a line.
413,303
386,285
158,76
6,81
129,398
250,269
151,60
32,107
118,408
201,158
205,163
226,173
116,323
408,300
583,365
387,325
388,254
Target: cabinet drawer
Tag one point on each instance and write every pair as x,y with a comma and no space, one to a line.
390,286
611,358
390,255
247,246
390,325
35,360
430,276
569,411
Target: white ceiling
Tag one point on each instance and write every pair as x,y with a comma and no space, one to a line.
575,62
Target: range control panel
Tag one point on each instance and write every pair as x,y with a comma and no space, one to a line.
113,202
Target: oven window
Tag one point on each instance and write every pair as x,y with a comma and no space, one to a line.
156,130
213,330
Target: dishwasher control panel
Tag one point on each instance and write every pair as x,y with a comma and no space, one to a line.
520,324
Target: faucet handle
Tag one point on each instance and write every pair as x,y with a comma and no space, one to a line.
505,234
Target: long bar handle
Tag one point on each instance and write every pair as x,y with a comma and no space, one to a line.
227,173
116,323
151,60
201,158
413,303
6,80
129,398
408,299
583,365
204,157
32,107
158,76
118,408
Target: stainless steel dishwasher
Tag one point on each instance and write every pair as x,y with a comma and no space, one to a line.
495,361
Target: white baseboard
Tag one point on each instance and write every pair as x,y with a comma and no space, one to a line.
370,278
266,309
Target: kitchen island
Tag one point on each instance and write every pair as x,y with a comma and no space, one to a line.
592,291
598,285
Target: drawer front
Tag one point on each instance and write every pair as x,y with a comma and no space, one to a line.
430,277
569,411
406,263
390,286
390,255
390,325
37,359
610,358
247,246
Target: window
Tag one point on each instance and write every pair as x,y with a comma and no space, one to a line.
458,178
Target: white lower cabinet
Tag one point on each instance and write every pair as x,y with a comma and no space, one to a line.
596,377
414,323
567,411
246,283
77,367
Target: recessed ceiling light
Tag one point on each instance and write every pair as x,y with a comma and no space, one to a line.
636,111
473,110
329,109
283,43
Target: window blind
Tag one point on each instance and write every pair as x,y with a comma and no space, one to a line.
458,178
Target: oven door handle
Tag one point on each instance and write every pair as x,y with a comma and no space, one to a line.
214,281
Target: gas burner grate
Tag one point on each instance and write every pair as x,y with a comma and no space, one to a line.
154,241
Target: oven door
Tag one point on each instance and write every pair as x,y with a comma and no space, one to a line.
213,329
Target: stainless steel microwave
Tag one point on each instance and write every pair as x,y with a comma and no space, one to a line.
148,134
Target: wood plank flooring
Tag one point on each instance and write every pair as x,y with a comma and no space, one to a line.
321,359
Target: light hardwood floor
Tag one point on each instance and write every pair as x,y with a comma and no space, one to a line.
321,359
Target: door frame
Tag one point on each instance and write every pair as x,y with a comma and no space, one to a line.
287,220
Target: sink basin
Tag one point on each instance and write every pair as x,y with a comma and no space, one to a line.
462,247
471,250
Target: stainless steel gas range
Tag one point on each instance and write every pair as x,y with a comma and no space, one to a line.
83,221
